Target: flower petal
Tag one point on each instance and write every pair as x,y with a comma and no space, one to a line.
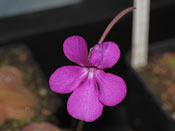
112,88
65,79
105,55
75,49
83,104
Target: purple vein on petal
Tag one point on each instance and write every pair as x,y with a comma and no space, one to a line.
75,49
112,88
83,103
105,55
65,79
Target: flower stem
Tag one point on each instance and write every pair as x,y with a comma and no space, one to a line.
114,21
80,126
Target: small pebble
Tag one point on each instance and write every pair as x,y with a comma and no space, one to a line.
43,92
45,112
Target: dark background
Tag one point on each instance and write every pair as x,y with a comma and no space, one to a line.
44,32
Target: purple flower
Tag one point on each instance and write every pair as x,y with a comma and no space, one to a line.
92,88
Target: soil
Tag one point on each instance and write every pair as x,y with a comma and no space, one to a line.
25,97
26,102
159,74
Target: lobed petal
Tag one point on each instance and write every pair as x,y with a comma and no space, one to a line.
112,88
84,104
104,55
65,79
75,49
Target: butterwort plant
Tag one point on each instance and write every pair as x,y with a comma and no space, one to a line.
91,87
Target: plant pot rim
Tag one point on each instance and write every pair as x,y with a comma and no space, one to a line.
162,47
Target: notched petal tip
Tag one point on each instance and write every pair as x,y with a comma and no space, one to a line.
105,55
75,49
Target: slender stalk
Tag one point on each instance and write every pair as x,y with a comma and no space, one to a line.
80,126
108,28
114,21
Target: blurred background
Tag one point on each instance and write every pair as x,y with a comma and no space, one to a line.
43,25
11,8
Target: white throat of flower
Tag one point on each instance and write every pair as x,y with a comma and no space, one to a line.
91,74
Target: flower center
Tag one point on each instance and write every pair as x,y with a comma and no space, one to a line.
91,73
